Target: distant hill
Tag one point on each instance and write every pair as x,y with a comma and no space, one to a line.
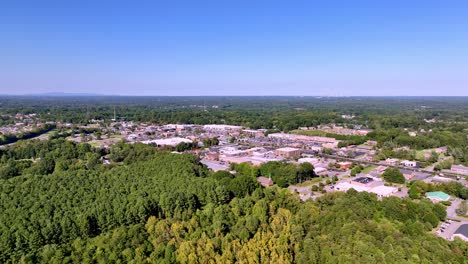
63,94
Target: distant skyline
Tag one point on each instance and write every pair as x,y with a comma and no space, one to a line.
174,48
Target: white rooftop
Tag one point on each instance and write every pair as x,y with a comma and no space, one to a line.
168,141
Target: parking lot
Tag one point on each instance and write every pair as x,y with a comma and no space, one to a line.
447,228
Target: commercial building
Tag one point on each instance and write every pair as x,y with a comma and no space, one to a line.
167,141
383,191
324,141
313,161
288,152
380,190
222,127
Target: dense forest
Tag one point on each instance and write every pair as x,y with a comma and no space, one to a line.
156,207
284,113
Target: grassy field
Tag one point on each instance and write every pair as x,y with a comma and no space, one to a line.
368,169
310,132
307,183
420,154
365,146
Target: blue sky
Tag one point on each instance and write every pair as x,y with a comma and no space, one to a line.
234,47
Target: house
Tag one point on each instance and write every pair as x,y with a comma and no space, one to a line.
264,181
344,165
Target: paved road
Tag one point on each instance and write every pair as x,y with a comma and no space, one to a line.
451,210
445,174
449,230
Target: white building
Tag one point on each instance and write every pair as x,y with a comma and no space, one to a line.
312,161
380,190
383,191
222,127
167,141
408,163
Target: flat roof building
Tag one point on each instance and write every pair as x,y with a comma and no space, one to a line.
288,152
222,127
167,141
461,232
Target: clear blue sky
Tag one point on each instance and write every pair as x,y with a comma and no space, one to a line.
234,47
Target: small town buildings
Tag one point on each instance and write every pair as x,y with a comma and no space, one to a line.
255,133
288,152
167,141
231,151
345,165
326,142
222,128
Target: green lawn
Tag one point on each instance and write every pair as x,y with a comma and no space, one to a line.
368,169
307,183
310,132
365,146
420,154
